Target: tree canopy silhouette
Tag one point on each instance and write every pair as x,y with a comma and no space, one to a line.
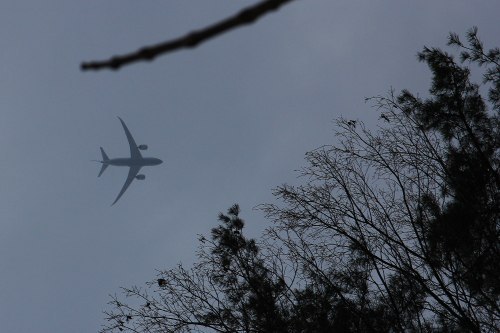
392,230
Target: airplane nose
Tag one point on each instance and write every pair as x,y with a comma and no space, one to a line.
160,161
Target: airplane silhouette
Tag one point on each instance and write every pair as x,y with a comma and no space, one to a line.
135,162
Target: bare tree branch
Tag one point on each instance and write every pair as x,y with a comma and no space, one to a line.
190,40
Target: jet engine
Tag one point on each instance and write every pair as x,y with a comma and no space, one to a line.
140,177
143,147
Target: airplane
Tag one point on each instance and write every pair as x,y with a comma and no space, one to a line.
135,162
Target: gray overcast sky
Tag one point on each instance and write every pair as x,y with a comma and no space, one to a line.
231,119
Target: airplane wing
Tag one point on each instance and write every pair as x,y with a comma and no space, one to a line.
134,151
132,172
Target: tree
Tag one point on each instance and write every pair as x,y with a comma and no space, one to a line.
393,230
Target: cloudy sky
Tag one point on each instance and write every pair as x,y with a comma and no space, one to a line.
231,120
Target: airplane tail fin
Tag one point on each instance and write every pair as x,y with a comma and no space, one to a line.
104,161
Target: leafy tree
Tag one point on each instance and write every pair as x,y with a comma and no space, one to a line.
230,289
393,230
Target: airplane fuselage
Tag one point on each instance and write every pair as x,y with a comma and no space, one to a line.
124,161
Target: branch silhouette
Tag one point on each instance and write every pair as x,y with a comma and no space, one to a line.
190,40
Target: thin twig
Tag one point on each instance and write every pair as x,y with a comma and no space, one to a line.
191,40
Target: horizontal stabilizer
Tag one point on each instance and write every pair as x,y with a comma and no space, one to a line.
104,162
105,157
104,166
